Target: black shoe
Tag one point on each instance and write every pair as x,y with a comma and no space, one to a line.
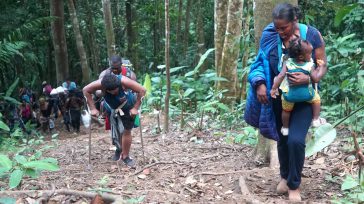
129,162
116,156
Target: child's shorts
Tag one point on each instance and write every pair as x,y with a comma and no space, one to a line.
288,106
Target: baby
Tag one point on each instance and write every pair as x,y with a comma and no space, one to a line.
299,60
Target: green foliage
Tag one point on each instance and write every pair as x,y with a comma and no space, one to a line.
324,136
340,14
25,166
352,190
7,200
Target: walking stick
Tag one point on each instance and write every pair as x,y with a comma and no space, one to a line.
140,129
89,135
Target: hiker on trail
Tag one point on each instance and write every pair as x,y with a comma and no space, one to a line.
73,106
124,108
47,88
119,67
264,112
69,85
299,53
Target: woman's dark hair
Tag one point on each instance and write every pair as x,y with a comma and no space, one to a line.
110,82
287,12
295,48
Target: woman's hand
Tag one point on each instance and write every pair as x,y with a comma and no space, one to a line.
297,78
262,94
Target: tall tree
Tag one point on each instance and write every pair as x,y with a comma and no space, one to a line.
109,29
59,39
231,50
265,149
187,27
201,47
79,42
220,16
168,76
94,48
130,16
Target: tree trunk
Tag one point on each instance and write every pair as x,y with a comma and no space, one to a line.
201,47
179,24
246,48
187,28
220,17
59,40
79,43
94,48
262,17
166,103
230,52
130,15
109,29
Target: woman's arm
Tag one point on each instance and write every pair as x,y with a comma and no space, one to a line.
321,60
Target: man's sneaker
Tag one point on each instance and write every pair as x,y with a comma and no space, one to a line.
284,131
128,162
117,154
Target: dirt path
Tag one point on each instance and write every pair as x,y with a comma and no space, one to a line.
182,171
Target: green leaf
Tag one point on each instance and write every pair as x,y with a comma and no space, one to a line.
42,165
5,162
349,183
32,173
12,87
50,160
361,81
3,126
223,107
11,100
340,14
323,137
188,92
20,159
176,69
147,85
7,200
202,59
15,178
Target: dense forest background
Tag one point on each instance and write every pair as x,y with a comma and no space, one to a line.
211,46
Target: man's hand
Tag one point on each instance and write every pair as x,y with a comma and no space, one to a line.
262,94
133,112
274,93
298,78
94,112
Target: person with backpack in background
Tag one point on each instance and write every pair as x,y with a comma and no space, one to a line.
73,105
69,85
124,108
46,88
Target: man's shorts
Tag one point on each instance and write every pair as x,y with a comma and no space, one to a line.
128,121
288,106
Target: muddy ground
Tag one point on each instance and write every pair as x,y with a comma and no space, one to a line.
178,169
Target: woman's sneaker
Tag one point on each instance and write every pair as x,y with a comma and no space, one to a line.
284,131
129,162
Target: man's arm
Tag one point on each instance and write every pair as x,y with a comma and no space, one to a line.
135,87
88,90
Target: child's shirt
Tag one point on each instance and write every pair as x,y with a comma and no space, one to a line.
291,65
